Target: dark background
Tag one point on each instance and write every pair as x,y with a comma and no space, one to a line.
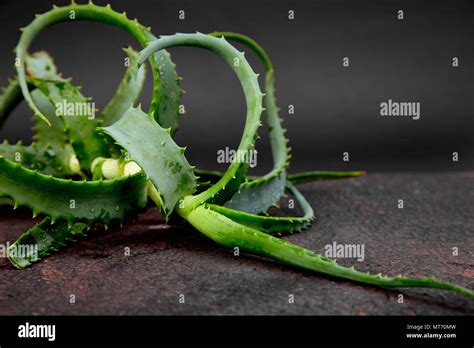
336,108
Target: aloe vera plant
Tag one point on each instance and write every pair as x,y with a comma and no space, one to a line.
80,172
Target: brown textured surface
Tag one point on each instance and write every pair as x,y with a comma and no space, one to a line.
167,261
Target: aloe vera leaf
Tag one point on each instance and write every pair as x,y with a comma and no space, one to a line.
259,195
40,66
153,149
80,128
52,90
10,98
127,92
166,92
231,234
305,177
56,161
295,179
270,224
89,201
53,134
42,240
39,63
6,201
47,136
235,174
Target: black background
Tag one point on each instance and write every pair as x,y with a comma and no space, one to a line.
256,331
336,108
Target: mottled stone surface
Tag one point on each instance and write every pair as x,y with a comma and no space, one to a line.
167,261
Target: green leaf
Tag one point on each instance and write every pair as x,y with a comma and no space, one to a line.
153,149
78,116
53,134
88,201
126,93
40,66
42,240
295,179
270,224
166,91
231,234
305,177
10,98
55,161
235,174
259,195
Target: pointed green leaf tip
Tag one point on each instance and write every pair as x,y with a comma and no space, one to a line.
46,237
44,118
152,147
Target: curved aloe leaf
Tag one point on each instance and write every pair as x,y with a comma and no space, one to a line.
305,177
167,93
53,134
6,201
10,98
127,92
231,234
52,90
258,195
296,179
234,176
89,201
270,224
165,102
39,64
